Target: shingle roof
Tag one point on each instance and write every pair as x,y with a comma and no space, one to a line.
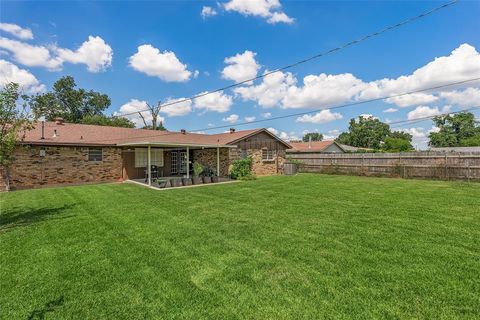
83,134
314,146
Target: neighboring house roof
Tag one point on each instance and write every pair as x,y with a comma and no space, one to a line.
83,134
313,146
457,149
353,149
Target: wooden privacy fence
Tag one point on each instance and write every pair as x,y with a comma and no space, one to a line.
428,165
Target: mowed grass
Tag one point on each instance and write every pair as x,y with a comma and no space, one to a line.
309,246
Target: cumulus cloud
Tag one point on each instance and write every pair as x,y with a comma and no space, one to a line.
270,91
267,9
17,31
390,110
11,73
178,109
216,101
469,97
164,65
412,99
424,111
284,135
208,12
135,105
94,53
323,116
30,55
415,132
250,119
266,115
241,67
233,118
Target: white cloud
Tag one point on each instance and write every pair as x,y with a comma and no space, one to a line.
270,91
322,90
323,116
250,119
390,110
469,97
268,9
412,99
266,115
95,53
135,105
241,67
415,132
30,55
424,111
216,101
284,135
11,73
463,63
233,118
208,12
17,31
178,109
164,65
273,130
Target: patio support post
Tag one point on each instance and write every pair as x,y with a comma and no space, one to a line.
187,162
149,166
218,162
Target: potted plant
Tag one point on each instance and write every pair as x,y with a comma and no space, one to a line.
187,181
207,174
215,177
176,182
197,170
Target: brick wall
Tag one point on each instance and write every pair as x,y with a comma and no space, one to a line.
259,166
3,179
209,157
63,166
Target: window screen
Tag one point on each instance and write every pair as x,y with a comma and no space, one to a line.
267,155
141,157
95,154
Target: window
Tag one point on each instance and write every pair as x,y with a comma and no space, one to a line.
141,157
174,162
267,155
95,154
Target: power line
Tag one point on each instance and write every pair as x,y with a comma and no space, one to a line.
421,119
307,112
348,44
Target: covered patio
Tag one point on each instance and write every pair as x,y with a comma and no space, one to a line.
149,162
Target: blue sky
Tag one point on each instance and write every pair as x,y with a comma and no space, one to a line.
155,50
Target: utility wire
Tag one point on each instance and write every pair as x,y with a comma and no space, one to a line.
348,44
402,123
304,113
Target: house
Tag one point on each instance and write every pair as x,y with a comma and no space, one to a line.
456,149
327,146
59,153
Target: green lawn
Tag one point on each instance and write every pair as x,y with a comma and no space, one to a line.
310,246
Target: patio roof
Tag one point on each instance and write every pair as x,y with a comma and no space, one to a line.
174,145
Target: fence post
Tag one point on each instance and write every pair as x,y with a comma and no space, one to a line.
446,172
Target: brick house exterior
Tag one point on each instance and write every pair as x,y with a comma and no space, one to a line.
67,154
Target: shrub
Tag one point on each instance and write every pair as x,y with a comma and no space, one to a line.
197,169
241,168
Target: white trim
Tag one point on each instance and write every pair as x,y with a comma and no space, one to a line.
166,144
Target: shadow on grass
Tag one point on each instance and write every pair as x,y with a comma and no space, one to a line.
26,216
48,307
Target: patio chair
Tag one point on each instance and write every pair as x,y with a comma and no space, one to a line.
154,172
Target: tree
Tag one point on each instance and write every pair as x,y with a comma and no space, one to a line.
314,136
455,130
154,111
103,120
14,122
68,102
392,144
366,132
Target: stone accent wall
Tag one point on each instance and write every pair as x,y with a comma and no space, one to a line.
3,179
260,167
62,166
209,157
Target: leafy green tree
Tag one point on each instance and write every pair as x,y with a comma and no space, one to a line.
103,120
315,136
68,102
366,132
14,122
392,144
455,130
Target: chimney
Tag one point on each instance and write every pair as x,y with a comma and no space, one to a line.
43,131
55,133
183,131
232,130
59,121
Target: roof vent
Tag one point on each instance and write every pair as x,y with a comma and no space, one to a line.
183,131
232,130
58,121
55,133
